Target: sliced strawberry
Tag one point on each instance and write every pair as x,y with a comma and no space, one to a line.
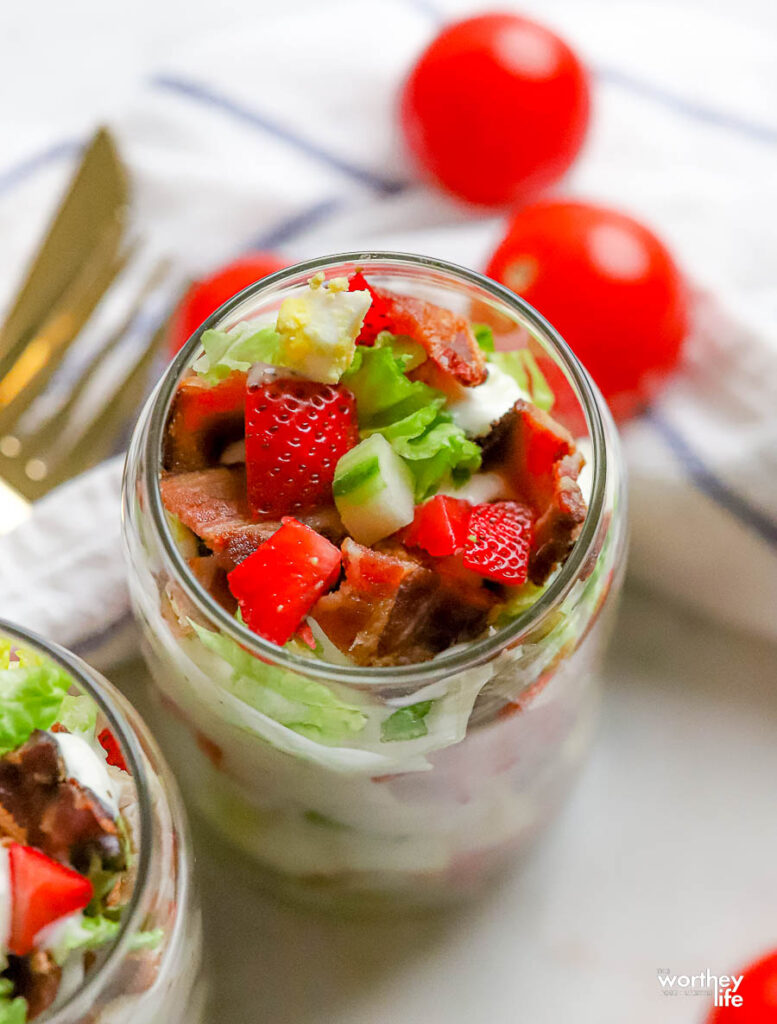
202,419
296,430
110,745
446,336
439,526
279,583
377,317
499,542
42,891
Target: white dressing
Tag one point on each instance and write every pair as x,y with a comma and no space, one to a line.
85,765
479,407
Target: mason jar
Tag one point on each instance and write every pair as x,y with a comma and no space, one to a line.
361,822
132,981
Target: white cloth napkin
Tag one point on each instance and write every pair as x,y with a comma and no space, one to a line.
281,133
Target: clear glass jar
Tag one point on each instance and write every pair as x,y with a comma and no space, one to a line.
425,821
162,984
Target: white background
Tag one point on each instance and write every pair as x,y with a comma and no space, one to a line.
665,856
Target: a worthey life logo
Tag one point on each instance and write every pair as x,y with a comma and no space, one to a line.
722,987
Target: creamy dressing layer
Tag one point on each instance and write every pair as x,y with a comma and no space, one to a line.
84,764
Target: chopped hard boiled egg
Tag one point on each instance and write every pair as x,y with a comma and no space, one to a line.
479,407
318,329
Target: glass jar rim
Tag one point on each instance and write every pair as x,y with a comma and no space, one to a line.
460,657
89,681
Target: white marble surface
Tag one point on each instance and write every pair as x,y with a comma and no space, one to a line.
663,857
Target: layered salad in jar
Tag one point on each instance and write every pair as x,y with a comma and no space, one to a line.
372,490
69,850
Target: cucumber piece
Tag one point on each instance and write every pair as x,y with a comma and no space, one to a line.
373,490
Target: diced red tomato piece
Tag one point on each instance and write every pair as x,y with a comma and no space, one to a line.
499,541
439,526
278,584
296,430
110,745
42,891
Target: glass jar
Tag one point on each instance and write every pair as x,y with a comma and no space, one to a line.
366,822
157,978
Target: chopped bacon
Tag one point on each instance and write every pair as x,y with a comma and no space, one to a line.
392,610
446,336
544,465
213,504
58,815
209,571
203,420
36,978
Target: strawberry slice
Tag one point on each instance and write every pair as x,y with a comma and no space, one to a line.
499,542
278,584
446,336
110,745
296,430
42,891
439,526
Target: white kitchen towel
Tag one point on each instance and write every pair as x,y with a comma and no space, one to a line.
281,133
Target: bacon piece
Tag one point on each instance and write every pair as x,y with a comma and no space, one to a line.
213,503
543,464
58,815
203,420
392,610
209,571
35,977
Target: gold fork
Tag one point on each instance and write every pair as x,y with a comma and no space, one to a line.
84,279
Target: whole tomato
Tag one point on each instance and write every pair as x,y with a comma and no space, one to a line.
206,295
758,992
608,285
496,108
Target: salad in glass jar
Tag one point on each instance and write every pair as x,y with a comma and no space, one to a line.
94,888
369,563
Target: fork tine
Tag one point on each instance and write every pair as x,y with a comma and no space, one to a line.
98,438
27,375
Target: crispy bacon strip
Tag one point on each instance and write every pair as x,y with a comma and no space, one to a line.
203,420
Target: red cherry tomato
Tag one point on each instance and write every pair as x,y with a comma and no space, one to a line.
205,296
608,285
496,108
758,990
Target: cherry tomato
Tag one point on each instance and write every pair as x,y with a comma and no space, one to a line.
496,108
759,996
608,285
205,296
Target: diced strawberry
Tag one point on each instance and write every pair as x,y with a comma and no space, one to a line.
42,891
439,526
200,415
305,636
296,430
279,583
110,745
376,319
499,541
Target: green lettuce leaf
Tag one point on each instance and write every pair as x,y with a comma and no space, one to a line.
410,415
523,368
301,704
30,698
146,940
406,724
78,714
236,349
484,336
84,933
12,1011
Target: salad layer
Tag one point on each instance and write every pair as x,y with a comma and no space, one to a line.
367,478
66,849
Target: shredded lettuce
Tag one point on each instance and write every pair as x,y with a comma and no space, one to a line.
30,698
523,368
300,704
484,336
146,940
12,1011
410,415
408,723
81,933
78,714
236,349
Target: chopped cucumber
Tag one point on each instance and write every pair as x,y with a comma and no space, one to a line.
373,490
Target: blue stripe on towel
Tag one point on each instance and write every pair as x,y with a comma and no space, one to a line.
689,108
709,484
287,229
202,94
19,172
